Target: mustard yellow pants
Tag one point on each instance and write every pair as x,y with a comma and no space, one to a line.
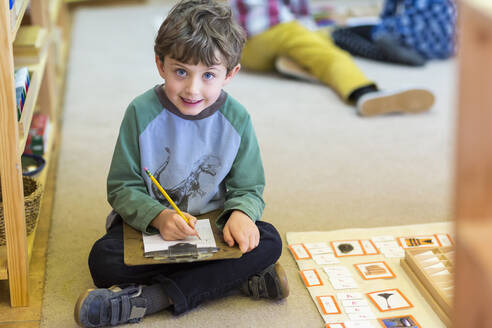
314,51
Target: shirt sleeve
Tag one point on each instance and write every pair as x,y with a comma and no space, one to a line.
246,180
126,190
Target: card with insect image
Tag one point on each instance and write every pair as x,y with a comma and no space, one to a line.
419,241
406,321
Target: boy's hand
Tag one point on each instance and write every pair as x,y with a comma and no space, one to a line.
241,229
172,226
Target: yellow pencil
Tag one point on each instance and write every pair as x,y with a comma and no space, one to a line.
176,208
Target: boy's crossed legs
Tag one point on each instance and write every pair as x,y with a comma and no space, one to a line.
182,285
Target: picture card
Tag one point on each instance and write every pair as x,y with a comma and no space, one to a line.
311,246
387,244
397,252
335,325
324,250
321,259
389,300
382,238
419,241
361,316
344,283
333,319
349,296
311,278
299,251
406,321
354,303
369,247
375,270
347,248
444,239
328,304
358,324
337,270
358,309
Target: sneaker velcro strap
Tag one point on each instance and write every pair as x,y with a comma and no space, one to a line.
115,313
123,311
125,308
255,287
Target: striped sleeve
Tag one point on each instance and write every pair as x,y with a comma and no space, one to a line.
257,16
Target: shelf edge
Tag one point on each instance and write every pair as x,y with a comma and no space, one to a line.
31,99
19,18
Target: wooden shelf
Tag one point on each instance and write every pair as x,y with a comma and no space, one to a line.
43,93
32,96
55,6
19,18
42,180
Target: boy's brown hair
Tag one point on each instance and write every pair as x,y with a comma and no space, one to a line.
195,30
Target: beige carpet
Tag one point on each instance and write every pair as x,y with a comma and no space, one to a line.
326,167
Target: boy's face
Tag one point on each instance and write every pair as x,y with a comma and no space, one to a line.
192,88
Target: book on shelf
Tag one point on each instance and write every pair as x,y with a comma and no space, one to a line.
22,81
29,44
15,7
37,139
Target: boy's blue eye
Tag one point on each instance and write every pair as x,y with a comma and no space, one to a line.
180,72
208,76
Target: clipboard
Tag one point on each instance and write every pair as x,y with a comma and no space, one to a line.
134,249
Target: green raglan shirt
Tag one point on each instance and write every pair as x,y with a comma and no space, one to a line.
205,162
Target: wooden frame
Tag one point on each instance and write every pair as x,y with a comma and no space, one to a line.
11,170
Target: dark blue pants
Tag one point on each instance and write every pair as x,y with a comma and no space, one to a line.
186,284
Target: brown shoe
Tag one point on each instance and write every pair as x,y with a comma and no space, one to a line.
398,101
269,283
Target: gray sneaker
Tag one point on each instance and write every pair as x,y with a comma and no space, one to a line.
110,306
269,283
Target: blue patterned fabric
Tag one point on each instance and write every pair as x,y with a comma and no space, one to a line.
428,26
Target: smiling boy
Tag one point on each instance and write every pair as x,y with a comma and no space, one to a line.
199,143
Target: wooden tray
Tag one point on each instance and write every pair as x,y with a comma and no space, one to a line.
432,271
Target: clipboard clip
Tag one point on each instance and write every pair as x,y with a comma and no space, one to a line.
182,250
